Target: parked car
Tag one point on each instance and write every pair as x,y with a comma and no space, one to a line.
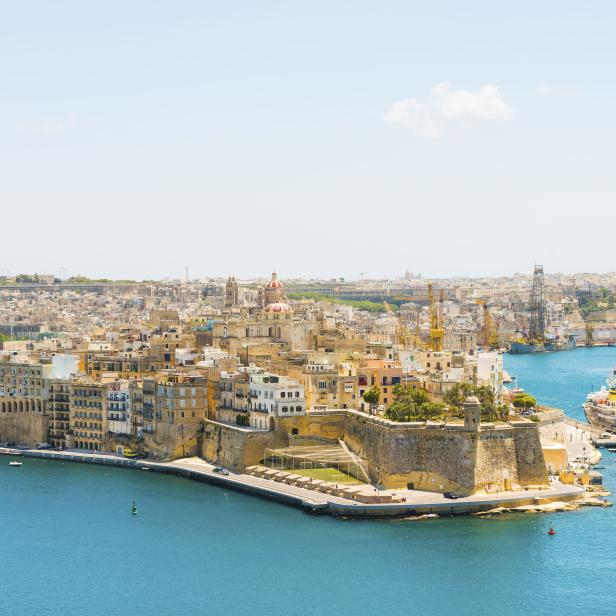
220,470
451,495
43,446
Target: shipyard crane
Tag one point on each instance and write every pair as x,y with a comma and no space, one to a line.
437,333
489,335
403,335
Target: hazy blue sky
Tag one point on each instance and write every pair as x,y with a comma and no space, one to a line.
314,138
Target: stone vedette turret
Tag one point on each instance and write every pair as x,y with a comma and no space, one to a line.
472,414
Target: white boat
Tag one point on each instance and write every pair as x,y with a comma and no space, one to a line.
600,406
15,463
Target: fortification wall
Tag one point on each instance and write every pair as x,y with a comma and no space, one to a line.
447,459
27,428
552,425
433,458
168,442
235,448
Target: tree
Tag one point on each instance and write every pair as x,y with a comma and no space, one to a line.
413,404
372,396
524,401
490,411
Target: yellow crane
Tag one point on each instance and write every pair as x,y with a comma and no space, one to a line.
437,332
403,334
489,335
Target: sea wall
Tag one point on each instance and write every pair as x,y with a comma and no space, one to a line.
234,447
26,428
447,458
436,458
171,441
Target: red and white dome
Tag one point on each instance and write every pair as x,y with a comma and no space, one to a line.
274,283
278,307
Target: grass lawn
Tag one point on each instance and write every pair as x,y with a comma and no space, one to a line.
332,475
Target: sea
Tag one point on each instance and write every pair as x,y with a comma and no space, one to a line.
70,546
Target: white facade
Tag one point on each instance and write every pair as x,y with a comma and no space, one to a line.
274,396
490,371
118,408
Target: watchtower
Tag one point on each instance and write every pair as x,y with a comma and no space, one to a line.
472,414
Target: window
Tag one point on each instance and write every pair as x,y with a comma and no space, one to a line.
285,409
282,394
297,394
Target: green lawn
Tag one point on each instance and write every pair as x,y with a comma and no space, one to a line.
332,475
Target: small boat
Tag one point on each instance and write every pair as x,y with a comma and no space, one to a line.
551,531
134,509
598,468
15,463
612,449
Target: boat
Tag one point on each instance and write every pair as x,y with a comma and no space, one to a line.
523,347
551,343
551,531
559,343
600,406
15,463
134,508
612,449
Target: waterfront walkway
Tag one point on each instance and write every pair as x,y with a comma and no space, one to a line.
414,502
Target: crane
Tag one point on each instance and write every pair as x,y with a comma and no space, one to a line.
404,337
489,335
437,333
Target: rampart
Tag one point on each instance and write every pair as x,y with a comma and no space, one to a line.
435,457
27,428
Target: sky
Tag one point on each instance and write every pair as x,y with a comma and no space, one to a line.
315,139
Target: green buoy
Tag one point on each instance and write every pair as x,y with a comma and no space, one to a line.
134,509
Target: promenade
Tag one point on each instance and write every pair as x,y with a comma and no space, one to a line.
414,502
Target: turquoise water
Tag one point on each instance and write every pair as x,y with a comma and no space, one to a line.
70,546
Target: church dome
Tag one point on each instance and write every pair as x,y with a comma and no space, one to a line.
274,283
278,307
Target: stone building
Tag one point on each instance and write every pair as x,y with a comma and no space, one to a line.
88,414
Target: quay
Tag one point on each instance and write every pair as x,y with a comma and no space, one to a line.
411,502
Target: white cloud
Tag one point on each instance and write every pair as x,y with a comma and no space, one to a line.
444,105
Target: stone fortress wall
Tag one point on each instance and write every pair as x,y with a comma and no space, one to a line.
26,428
430,457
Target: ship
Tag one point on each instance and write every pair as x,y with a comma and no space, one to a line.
600,406
522,346
549,343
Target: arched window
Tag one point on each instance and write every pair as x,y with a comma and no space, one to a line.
285,409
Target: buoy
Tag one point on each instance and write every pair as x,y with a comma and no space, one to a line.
134,509
551,531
